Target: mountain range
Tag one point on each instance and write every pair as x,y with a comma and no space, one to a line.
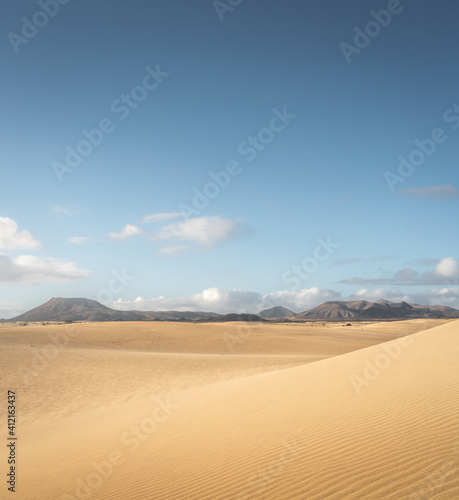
62,309
80,309
380,310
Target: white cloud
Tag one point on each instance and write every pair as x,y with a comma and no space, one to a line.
445,268
434,192
228,301
127,232
446,296
62,211
301,300
212,299
162,217
174,250
77,240
191,234
243,301
28,269
448,268
11,238
201,231
378,294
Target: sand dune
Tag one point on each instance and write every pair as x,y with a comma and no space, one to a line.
160,421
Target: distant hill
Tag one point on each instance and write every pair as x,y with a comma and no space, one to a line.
380,310
276,313
61,309
442,311
253,318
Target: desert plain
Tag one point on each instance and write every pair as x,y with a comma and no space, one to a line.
209,411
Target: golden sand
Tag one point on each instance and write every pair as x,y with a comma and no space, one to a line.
134,411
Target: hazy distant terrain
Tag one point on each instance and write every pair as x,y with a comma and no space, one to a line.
80,309
61,309
383,309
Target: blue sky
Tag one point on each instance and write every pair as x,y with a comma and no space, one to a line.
204,156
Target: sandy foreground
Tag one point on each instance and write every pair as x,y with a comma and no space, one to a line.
232,411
